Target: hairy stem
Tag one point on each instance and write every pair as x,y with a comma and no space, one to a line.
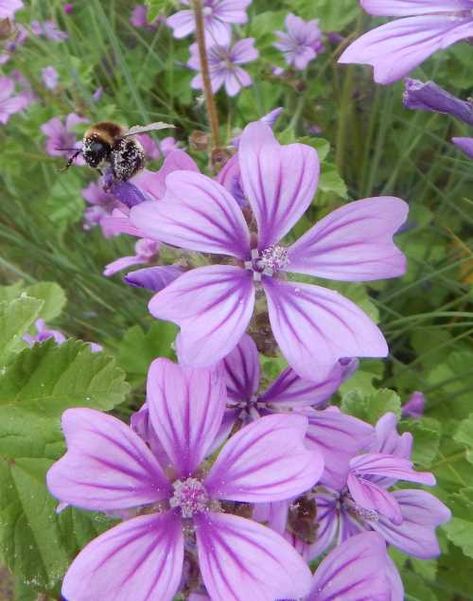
204,67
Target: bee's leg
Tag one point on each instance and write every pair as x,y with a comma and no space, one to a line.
71,159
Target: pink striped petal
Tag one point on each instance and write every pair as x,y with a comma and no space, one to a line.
291,390
107,466
197,213
354,571
265,461
241,369
398,47
338,437
186,409
371,497
315,327
353,243
279,181
213,305
406,8
389,466
141,559
241,560
421,514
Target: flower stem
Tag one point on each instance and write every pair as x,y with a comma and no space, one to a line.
204,67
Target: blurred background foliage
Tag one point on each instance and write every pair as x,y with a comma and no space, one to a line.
370,146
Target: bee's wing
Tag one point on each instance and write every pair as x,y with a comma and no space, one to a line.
141,129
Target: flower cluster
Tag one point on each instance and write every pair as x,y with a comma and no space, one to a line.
228,485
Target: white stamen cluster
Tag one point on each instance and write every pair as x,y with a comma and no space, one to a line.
189,496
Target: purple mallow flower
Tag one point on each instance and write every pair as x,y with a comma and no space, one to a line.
60,135
50,77
224,65
314,326
49,30
428,96
8,8
398,47
406,518
415,406
146,251
43,333
10,102
219,16
139,18
178,500
301,42
101,205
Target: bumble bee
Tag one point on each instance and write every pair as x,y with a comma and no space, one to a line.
109,143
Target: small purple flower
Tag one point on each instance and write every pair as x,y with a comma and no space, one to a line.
314,326
465,144
10,103
43,333
301,42
68,8
102,204
139,17
406,518
224,65
398,47
176,497
219,15
428,96
415,406
49,30
8,8
97,95
146,251
50,77
61,135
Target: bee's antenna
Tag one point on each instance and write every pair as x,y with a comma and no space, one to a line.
71,158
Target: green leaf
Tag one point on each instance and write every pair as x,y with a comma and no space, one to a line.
16,316
49,378
464,435
460,528
331,181
156,7
139,348
53,297
426,433
371,407
415,588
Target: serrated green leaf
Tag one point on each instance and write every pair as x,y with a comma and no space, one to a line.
460,528
464,435
52,295
426,433
138,348
49,378
16,316
370,407
331,181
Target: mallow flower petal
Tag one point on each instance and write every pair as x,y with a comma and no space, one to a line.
213,306
389,466
196,213
421,514
315,327
338,437
279,181
265,461
107,466
291,390
186,407
240,560
406,8
140,559
241,369
371,497
353,243
354,571
153,278
398,47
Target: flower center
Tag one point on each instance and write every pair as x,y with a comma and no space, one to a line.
268,261
189,496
